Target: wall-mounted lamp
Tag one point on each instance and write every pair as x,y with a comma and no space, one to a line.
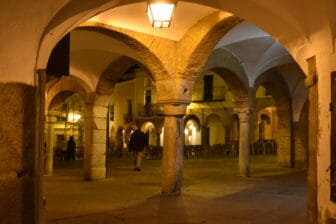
74,117
160,12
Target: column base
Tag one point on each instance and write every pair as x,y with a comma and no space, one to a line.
172,194
95,173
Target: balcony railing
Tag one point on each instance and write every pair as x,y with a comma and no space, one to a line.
149,109
218,94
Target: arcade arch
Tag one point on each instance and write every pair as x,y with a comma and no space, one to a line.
64,111
168,69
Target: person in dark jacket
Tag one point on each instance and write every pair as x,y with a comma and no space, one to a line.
71,149
136,146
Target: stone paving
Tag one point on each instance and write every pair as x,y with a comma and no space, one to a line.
212,193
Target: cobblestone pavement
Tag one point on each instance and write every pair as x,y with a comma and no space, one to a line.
212,193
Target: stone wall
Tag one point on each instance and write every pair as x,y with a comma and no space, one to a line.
17,154
301,140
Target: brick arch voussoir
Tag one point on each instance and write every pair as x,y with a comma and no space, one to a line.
112,73
202,47
66,83
145,55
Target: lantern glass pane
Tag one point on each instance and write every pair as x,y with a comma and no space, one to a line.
161,11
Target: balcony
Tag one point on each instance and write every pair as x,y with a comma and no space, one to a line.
218,94
149,110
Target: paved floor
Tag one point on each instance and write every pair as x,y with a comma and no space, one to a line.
212,193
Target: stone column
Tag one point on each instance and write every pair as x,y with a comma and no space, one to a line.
21,154
313,126
242,108
284,133
95,142
244,143
158,134
174,94
172,161
49,146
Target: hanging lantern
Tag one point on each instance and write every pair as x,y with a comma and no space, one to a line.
160,12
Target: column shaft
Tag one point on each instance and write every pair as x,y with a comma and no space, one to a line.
172,163
244,149
95,143
49,150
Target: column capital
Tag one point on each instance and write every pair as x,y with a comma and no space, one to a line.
174,91
244,114
243,109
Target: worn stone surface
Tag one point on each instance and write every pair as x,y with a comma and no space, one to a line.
17,147
301,140
172,161
211,193
313,124
284,132
95,142
174,90
244,143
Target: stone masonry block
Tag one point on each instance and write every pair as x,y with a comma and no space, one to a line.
95,173
99,136
95,123
95,160
98,149
100,111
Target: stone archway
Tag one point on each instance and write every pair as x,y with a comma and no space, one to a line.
57,92
276,86
192,131
216,129
149,129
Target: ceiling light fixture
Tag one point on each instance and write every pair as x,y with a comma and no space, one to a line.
160,12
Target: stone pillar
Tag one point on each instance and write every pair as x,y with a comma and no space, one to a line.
242,108
172,161
313,126
21,154
95,142
158,134
49,146
244,143
284,133
174,94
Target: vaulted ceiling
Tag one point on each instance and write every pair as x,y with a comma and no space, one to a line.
255,50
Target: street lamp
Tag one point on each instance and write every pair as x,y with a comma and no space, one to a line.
160,12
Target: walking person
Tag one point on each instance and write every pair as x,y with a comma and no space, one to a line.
71,149
136,146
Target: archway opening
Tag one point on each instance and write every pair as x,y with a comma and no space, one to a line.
65,119
213,125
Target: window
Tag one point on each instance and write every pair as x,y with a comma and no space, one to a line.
129,108
112,112
208,87
148,101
